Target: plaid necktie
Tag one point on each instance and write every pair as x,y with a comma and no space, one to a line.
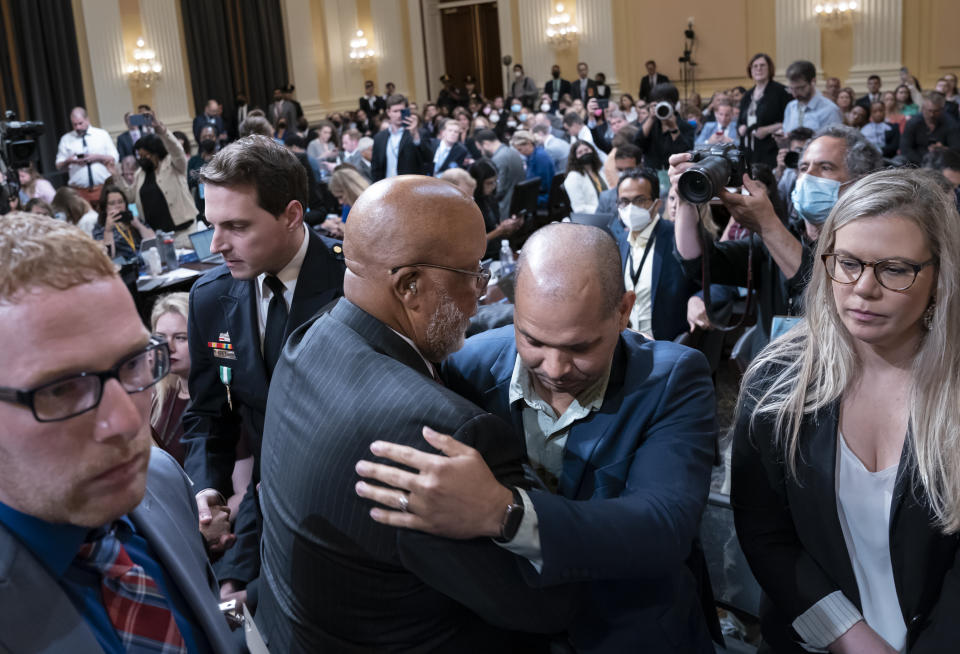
136,607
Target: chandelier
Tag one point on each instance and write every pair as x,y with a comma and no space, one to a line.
561,33
146,69
360,52
833,16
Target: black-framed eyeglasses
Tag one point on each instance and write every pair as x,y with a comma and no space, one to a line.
641,201
75,394
892,274
482,276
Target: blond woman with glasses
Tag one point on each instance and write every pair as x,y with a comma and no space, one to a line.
846,465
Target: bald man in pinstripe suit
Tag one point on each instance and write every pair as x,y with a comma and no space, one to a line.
335,580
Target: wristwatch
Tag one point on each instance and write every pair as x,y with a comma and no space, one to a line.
512,517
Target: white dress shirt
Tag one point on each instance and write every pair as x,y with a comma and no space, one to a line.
393,150
288,275
641,315
95,141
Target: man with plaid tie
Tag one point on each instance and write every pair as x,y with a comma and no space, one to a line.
99,547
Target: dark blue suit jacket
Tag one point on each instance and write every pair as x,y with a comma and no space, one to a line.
454,158
635,480
671,288
222,305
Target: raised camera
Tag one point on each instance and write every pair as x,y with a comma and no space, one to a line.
791,159
715,166
663,110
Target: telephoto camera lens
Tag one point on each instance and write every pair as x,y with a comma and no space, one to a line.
703,181
663,110
791,159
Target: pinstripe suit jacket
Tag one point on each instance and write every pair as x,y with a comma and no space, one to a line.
335,580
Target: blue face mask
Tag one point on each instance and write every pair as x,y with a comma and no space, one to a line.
523,117
814,197
515,108
693,122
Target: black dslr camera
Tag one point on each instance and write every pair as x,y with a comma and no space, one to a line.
715,166
18,142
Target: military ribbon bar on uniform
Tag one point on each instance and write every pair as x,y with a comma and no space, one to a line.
219,346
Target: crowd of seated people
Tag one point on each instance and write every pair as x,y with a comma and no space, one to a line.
364,480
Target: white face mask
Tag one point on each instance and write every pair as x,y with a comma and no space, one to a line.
634,218
545,107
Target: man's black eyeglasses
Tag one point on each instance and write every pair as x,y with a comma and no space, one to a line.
75,394
482,276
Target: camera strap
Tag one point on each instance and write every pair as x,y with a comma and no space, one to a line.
705,282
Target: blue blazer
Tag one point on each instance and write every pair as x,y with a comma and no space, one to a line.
635,480
671,288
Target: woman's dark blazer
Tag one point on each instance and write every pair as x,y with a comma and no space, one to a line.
770,110
790,532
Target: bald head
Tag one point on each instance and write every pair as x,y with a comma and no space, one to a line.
409,219
567,261
413,246
79,120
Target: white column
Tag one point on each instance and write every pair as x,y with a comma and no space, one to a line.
302,67
102,21
594,19
346,81
505,23
798,35
877,43
389,43
161,30
416,43
430,66
538,55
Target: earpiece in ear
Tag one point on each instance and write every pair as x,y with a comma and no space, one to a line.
412,287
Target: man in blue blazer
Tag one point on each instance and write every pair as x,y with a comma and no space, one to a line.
77,469
646,245
619,430
448,151
256,191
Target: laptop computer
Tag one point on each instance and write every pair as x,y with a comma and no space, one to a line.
201,242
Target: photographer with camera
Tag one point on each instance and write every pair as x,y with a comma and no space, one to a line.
86,152
661,134
788,159
779,260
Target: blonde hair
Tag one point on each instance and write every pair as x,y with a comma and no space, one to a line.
36,251
461,179
178,303
348,183
814,364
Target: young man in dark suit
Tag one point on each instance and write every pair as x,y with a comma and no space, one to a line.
88,509
650,270
370,102
651,80
448,151
583,87
400,149
619,429
334,579
277,274
556,88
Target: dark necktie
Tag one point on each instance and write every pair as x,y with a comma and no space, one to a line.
83,137
276,324
137,609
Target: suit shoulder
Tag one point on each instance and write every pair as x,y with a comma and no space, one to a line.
213,278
